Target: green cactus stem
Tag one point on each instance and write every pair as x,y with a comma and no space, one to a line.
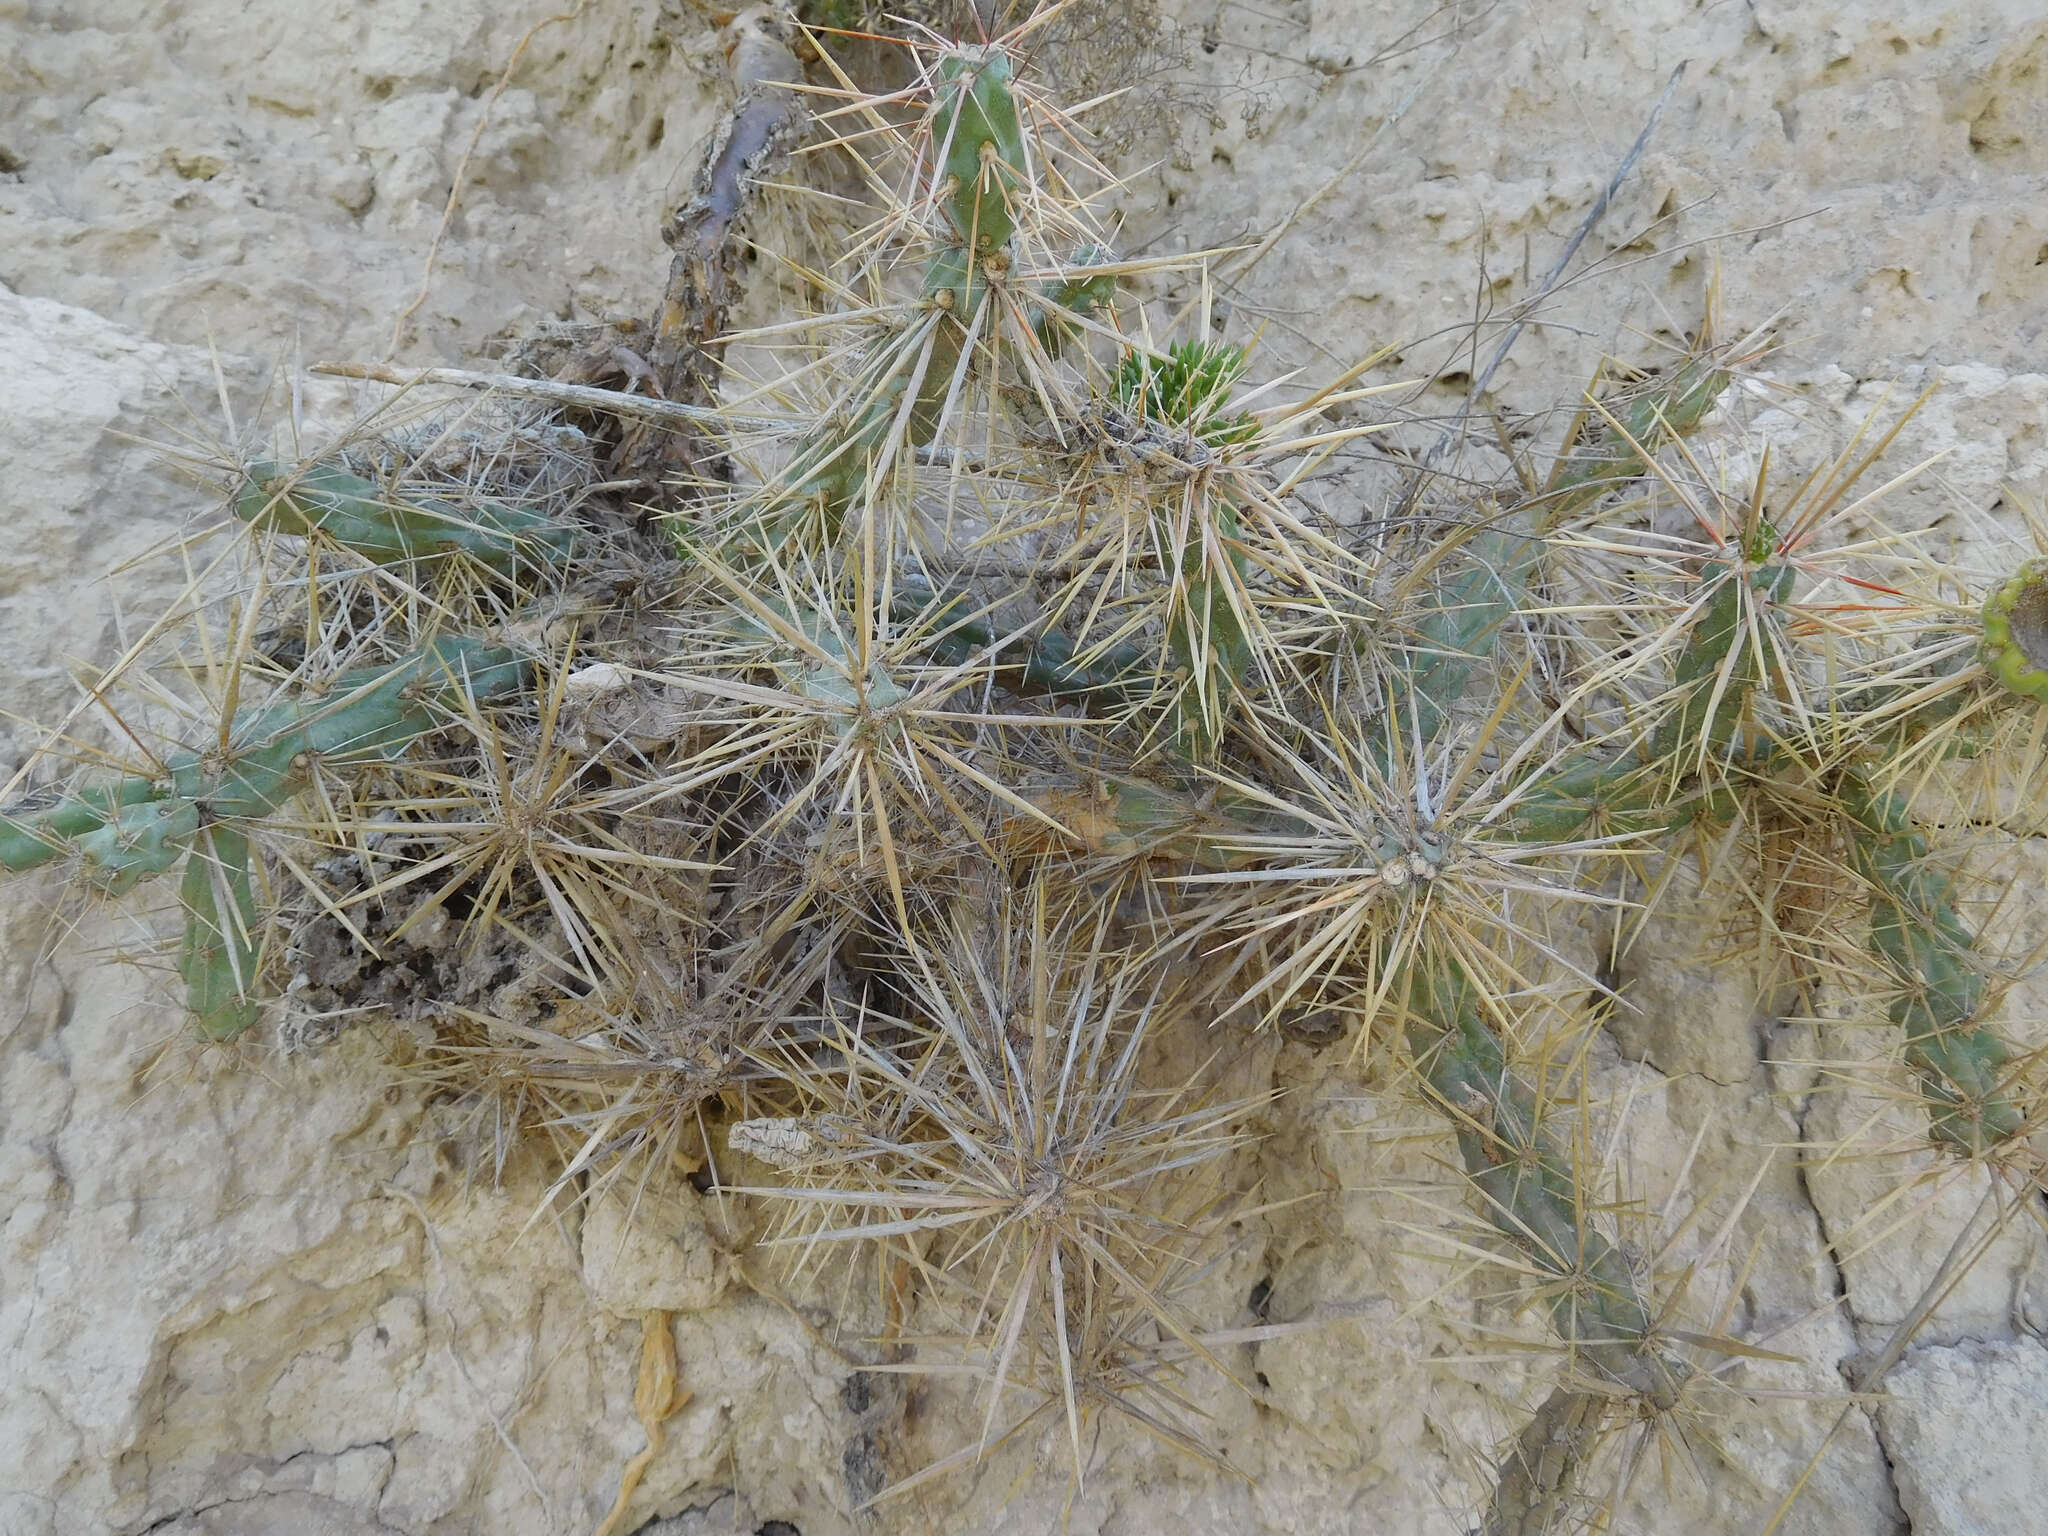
1720,667
1593,793
218,956
35,834
1189,388
369,715
1930,952
1530,1190
1204,632
359,515
1078,292
1540,1476
1460,627
2015,645
978,147
1042,663
141,840
198,809
1457,632
979,168
1611,458
1119,817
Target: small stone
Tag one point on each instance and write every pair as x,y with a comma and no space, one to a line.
352,187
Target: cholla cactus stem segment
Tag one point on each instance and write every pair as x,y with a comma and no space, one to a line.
200,807
1915,930
1616,455
389,528
978,146
35,834
1041,663
218,957
1531,1191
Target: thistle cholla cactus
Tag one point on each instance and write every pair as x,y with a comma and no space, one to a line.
1014,717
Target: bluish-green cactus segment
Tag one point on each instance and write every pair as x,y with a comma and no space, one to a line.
369,715
359,515
1721,666
141,840
833,466
1460,627
1530,1189
1593,792
1610,458
1457,633
1082,291
32,836
1128,818
1078,292
218,955
135,825
1931,953
978,145
980,165
1046,662
1205,633
199,810
1189,389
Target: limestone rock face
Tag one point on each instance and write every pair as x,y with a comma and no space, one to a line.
81,495
244,1292
1968,1427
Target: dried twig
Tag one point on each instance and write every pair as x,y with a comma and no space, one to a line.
610,402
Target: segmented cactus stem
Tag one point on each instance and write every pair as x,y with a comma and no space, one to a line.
1593,792
1612,457
1721,666
1541,1474
978,145
357,514
1043,663
1530,1190
218,957
1079,292
1930,951
35,834
1458,631
1460,627
199,809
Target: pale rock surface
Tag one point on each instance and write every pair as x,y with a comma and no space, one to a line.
245,1294
646,1247
1968,1432
81,496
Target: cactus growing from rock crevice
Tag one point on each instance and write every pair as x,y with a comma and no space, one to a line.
1015,725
